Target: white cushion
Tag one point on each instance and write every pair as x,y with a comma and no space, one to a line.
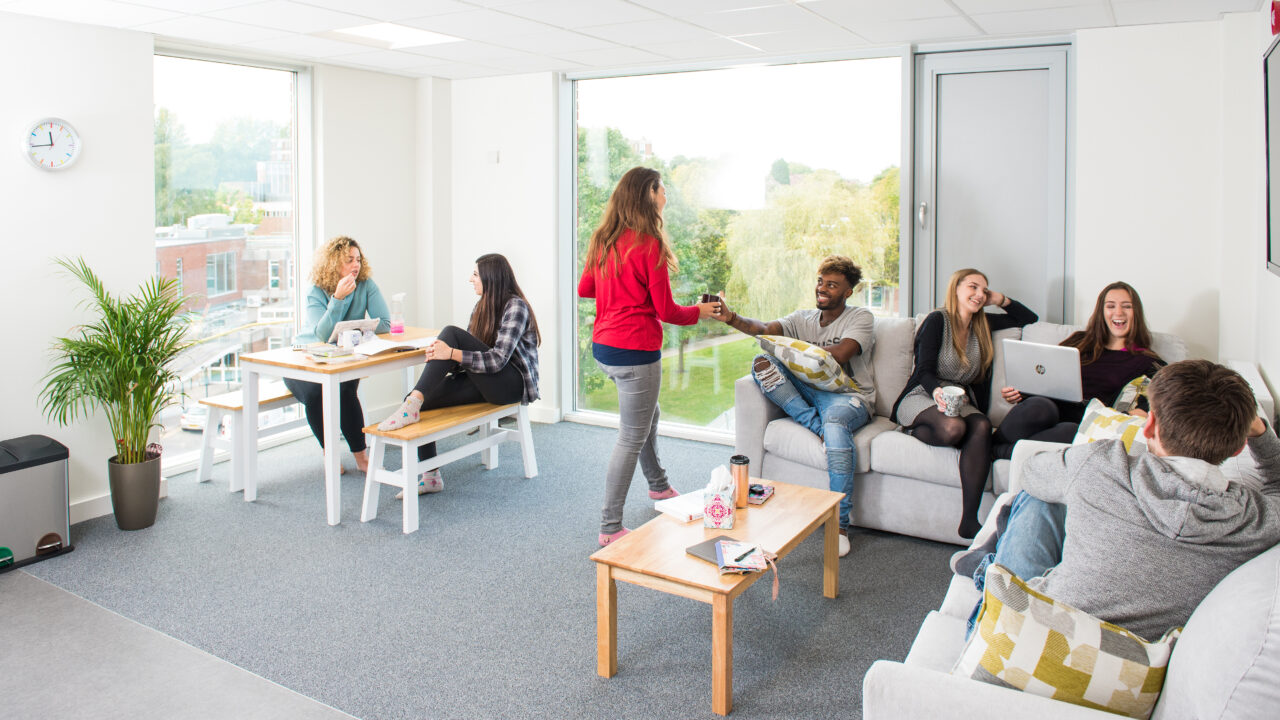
1228,660
939,642
896,453
788,439
891,360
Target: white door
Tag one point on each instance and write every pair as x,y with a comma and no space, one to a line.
990,174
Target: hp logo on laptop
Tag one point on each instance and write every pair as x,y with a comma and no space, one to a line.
1039,369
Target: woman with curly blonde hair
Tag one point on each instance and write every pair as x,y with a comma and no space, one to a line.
341,290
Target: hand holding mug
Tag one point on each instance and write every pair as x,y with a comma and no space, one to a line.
709,306
949,399
724,314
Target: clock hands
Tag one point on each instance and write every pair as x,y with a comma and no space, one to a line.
49,144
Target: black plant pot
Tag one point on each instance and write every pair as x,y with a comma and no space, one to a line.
135,492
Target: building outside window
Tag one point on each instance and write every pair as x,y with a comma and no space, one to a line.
767,171
225,168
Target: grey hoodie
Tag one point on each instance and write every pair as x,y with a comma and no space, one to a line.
1148,537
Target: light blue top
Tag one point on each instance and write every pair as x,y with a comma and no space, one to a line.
321,311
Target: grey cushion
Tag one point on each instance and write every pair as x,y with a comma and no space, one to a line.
891,360
896,453
787,438
1228,659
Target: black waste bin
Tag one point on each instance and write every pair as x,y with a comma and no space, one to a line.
35,517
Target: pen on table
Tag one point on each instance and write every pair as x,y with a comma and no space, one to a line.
743,556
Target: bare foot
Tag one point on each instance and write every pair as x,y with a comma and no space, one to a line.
362,460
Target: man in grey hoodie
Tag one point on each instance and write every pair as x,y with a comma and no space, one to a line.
1139,541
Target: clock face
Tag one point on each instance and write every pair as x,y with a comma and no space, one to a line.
52,144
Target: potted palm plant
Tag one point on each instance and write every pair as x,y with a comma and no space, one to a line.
120,363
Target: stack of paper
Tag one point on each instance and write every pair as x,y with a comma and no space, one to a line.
682,507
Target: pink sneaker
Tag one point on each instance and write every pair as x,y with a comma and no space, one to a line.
670,492
605,539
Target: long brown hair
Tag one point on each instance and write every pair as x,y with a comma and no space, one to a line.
1093,339
326,271
497,286
630,207
978,324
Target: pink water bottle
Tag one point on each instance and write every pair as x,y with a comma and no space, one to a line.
397,314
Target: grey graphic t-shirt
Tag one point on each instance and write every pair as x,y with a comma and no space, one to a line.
855,323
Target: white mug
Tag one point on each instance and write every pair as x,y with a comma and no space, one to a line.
349,338
952,400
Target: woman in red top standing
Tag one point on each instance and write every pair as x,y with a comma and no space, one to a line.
627,272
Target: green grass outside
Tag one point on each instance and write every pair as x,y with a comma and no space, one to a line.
699,400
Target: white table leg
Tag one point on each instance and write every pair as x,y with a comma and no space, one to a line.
248,433
332,449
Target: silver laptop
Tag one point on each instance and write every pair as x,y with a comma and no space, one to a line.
366,324
1048,370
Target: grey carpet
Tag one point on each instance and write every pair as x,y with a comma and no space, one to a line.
64,657
488,611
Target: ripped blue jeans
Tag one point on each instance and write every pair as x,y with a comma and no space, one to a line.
834,417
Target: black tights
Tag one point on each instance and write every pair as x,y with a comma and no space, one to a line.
350,414
972,434
1035,418
444,383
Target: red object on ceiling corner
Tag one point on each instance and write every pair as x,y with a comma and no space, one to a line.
1275,17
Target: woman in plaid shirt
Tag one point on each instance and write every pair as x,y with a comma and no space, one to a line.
495,360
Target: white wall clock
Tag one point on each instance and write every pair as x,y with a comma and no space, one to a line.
51,144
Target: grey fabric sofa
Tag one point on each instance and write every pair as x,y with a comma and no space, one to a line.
1226,664
903,485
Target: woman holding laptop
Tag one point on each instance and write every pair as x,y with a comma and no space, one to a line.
1114,349
495,360
341,289
953,347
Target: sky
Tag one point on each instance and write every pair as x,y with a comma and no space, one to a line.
844,115
203,94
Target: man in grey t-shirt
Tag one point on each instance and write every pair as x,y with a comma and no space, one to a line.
846,332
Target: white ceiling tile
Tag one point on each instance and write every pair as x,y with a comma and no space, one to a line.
792,41
612,57
478,25
982,7
544,63
457,71
209,30
851,13
496,3
685,8
307,46
756,20
581,13
192,6
713,47
291,16
471,52
383,59
916,30
1052,20
393,10
93,12
649,31
554,42
1165,11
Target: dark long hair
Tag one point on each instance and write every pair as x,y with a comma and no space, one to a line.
630,207
497,286
1093,339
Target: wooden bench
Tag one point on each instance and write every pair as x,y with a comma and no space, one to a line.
230,406
432,426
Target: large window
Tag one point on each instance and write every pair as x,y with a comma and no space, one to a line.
768,170
225,197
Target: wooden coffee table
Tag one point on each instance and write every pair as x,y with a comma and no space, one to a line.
654,556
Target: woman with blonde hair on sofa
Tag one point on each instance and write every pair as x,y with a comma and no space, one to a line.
953,346
1115,348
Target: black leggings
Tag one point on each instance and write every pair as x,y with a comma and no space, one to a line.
972,434
444,383
350,414
1035,418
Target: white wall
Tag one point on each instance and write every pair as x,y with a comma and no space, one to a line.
1149,173
508,206
366,155
101,208
435,200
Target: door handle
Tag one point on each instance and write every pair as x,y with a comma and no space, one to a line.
920,214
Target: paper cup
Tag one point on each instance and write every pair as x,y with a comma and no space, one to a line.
952,400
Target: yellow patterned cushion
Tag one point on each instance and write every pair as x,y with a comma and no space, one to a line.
1131,393
1027,641
809,363
1102,423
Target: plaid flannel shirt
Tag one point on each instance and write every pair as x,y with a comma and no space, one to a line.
515,343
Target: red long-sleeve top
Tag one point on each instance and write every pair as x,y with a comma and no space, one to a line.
630,303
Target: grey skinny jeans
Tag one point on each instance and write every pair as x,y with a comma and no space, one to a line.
638,387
